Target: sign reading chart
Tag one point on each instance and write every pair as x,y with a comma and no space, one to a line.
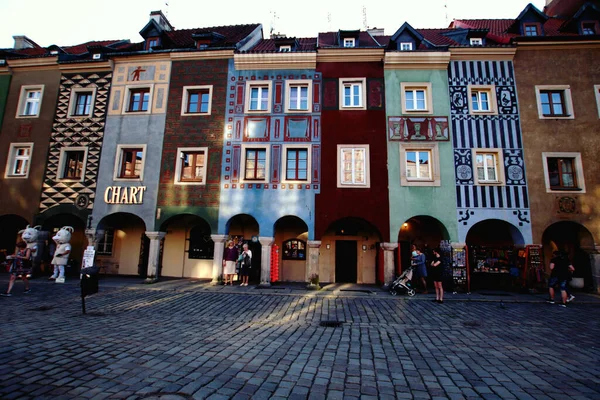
124,195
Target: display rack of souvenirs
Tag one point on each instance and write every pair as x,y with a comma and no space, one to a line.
533,271
460,268
491,260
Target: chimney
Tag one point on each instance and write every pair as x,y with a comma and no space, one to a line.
161,20
23,42
376,31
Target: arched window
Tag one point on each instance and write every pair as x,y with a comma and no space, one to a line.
294,249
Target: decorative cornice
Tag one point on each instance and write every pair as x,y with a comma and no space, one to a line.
417,60
28,64
349,55
275,61
523,46
143,57
482,53
202,55
87,67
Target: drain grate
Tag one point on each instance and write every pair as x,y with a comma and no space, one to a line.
331,324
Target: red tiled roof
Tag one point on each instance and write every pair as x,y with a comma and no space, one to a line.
269,45
82,48
182,38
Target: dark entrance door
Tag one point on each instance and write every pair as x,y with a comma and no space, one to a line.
345,261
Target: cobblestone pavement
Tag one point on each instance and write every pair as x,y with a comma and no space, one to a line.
171,342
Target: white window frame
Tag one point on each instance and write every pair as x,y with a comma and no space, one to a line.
267,149
409,46
476,41
362,83
500,179
433,149
23,101
12,158
566,89
63,160
367,172
186,96
414,86
262,84
493,103
597,95
178,166
288,91
119,155
308,149
128,89
73,101
349,42
578,171
286,48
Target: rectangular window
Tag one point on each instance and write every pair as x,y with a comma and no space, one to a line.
486,165
482,99
353,166
406,46
192,166
255,164
73,164
553,103
588,28
415,100
30,101
131,163
352,93
285,48
298,97
19,160
349,42
196,100
563,172
139,100
417,97
105,244
83,103
476,42
530,29
258,96
296,164
418,165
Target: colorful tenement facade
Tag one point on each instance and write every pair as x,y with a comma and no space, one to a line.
329,155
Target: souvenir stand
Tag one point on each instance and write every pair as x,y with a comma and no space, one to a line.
491,267
460,268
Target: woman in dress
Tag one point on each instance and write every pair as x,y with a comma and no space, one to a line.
436,274
229,258
21,267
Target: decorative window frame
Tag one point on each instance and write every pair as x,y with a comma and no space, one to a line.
267,149
62,161
407,44
434,159
285,149
127,98
578,171
23,100
73,101
500,177
348,42
298,82
566,89
367,183
597,95
118,158
426,86
178,165
491,90
185,100
249,85
363,95
10,160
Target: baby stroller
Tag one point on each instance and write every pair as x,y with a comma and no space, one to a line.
403,284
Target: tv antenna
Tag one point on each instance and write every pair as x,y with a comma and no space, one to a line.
364,15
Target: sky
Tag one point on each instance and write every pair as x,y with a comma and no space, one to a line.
69,22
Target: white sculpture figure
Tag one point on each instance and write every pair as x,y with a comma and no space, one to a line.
61,255
30,236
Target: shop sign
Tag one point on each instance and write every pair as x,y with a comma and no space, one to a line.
124,195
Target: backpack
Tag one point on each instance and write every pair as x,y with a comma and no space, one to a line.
247,261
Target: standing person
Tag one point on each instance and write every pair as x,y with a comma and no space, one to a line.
246,257
421,267
229,258
436,274
21,267
560,270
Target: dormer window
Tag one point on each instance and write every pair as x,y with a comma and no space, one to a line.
152,42
349,42
406,46
588,28
286,48
476,42
530,29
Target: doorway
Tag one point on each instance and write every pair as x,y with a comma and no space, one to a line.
345,261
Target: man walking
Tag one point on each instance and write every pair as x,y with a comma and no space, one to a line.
560,270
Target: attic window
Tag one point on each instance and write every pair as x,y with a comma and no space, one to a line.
530,29
476,42
152,42
96,56
349,42
54,52
202,44
285,48
406,46
588,28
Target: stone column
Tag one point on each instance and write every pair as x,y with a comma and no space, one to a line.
595,266
312,260
154,254
265,260
217,270
388,262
